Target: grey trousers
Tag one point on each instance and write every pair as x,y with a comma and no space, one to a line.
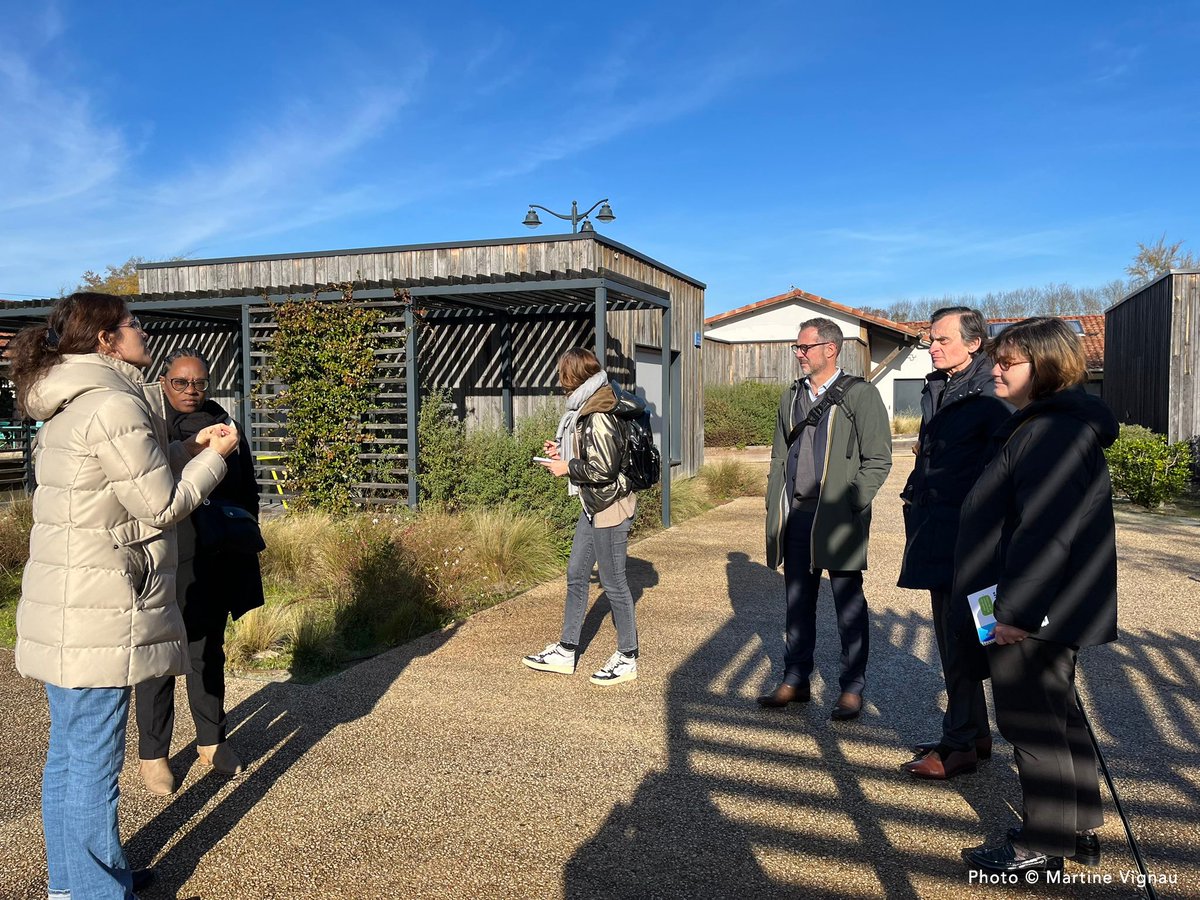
606,547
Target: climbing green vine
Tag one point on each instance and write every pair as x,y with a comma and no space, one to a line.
323,356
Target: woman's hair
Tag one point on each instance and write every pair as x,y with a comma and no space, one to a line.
1053,350
576,366
72,327
185,353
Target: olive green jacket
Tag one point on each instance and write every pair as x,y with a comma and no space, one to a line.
858,457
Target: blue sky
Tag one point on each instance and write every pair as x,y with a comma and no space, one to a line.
866,152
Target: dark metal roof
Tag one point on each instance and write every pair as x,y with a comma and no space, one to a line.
445,245
511,292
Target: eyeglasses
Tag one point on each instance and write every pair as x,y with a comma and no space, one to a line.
1006,364
804,348
134,323
181,384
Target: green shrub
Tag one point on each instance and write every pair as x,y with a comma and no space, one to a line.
688,499
1146,468
739,415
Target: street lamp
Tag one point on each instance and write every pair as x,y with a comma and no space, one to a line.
605,215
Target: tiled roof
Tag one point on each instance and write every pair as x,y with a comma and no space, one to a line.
1093,335
797,294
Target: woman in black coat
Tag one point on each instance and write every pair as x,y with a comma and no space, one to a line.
210,587
1038,525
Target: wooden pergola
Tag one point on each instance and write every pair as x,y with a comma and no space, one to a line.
239,322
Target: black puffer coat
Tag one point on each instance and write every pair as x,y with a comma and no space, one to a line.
952,452
1039,523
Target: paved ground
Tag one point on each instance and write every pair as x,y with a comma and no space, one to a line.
445,769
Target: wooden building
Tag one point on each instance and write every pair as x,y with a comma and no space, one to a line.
486,320
1152,353
753,343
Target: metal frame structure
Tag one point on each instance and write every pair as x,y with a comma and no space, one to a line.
506,300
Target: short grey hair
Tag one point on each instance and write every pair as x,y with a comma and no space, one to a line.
827,330
971,323
185,353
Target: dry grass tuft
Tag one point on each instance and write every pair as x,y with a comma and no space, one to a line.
906,422
16,521
512,550
262,630
728,478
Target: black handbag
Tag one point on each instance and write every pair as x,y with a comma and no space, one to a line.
223,527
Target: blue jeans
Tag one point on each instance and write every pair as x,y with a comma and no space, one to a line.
80,791
606,547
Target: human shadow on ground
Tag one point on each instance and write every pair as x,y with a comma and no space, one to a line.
691,830
273,728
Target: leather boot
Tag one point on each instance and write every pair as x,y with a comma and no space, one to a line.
221,757
157,776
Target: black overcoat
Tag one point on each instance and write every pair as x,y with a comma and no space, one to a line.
959,415
1039,523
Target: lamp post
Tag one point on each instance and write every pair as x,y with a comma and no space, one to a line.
605,215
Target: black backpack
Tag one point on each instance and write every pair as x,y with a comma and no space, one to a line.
641,463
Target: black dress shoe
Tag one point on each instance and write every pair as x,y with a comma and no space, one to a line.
1010,857
1087,846
142,879
847,707
983,747
785,694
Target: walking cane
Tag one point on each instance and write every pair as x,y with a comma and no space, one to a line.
1112,789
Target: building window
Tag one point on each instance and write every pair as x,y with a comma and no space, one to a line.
906,396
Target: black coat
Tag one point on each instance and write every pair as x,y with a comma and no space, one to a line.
226,581
1039,523
952,451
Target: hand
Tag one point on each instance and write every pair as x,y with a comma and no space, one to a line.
550,448
1009,634
916,449
556,467
222,438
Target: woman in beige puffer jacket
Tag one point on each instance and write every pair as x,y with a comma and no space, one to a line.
97,612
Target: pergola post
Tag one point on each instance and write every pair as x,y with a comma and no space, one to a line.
666,417
411,398
602,326
506,373
246,380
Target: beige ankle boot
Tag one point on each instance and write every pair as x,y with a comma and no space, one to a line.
221,757
157,776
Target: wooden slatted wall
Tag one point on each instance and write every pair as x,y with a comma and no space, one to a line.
1137,357
768,361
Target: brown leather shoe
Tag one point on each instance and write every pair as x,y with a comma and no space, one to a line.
932,767
785,694
983,747
847,707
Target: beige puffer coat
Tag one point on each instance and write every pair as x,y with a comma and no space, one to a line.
98,596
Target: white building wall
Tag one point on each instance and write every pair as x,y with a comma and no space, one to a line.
779,323
911,363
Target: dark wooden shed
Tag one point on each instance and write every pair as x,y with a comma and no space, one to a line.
1152,353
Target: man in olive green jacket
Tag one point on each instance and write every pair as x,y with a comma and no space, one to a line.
823,478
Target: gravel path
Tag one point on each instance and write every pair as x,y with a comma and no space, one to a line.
445,769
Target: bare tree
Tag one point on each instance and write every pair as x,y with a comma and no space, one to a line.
1157,259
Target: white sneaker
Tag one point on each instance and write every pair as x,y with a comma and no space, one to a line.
555,658
618,668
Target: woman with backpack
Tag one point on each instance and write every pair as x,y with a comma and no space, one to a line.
588,449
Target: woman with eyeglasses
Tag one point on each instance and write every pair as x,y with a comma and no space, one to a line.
211,586
1038,525
97,613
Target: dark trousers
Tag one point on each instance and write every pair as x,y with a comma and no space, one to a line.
803,586
966,715
155,699
1033,685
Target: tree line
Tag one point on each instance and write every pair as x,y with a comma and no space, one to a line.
1151,261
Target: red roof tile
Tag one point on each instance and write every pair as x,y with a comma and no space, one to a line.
797,294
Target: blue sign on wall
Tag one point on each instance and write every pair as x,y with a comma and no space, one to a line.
699,339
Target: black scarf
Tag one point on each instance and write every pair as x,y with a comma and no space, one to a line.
181,425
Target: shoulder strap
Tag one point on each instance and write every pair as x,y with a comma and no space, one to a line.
835,394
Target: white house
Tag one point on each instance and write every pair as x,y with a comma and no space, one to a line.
751,343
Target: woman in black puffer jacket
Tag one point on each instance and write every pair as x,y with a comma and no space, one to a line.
210,588
588,448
